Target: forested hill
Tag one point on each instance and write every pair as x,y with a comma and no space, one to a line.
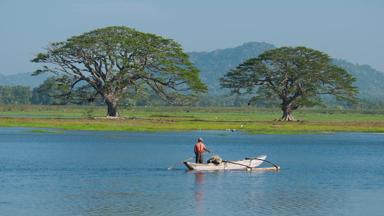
213,65
369,80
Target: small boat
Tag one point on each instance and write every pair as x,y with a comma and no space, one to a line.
246,164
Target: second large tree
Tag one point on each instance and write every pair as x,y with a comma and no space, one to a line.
115,60
297,76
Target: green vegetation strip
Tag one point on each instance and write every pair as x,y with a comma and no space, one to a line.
264,127
262,121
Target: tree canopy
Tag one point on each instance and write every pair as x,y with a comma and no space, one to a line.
296,76
115,60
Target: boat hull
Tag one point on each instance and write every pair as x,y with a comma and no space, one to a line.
227,165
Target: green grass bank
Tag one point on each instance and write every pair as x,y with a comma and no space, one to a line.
248,119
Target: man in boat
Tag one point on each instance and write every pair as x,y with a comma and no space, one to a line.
199,150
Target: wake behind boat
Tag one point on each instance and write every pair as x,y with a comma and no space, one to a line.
216,163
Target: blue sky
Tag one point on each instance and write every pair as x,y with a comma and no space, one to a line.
351,30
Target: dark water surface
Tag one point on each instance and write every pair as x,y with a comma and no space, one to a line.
119,173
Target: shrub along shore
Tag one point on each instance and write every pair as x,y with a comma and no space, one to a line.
246,119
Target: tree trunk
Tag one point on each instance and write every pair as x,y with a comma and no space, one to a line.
111,102
287,112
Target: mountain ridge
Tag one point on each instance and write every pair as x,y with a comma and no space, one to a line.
215,64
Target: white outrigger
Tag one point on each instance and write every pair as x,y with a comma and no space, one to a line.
249,164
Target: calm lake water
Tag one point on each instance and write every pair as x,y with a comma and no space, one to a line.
122,173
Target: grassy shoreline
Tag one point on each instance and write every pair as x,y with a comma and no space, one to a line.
252,120
261,127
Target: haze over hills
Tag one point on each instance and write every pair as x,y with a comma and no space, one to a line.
23,79
213,65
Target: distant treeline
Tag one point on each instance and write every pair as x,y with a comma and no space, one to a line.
15,95
49,94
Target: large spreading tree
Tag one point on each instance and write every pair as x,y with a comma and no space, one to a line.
296,76
115,60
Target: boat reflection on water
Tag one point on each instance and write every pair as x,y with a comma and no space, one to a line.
199,192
